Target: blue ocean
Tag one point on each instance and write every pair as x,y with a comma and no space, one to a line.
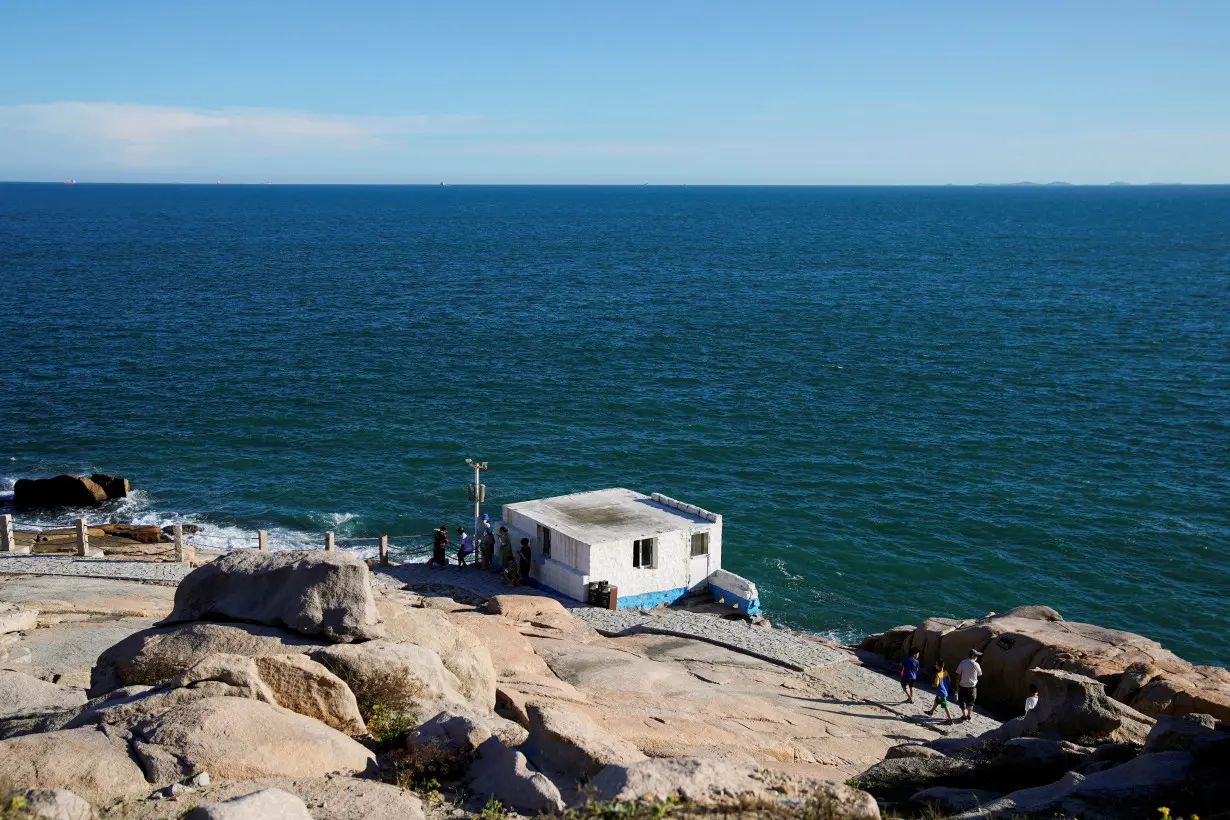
904,401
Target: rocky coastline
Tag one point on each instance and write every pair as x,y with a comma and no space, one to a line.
310,684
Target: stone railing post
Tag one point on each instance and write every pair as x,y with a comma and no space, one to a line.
329,542
184,553
8,541
84,549
384,549
262,541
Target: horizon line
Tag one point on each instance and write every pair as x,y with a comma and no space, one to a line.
1021,184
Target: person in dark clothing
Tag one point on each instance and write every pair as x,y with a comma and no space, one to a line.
439,546
524,562
486,547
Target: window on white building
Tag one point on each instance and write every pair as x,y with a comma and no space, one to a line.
642,553
544,540
700,543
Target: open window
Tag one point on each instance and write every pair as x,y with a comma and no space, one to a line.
700,543
642,553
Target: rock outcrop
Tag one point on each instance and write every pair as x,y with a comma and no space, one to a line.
114,486
312,592
153,656
54,493
402,677
239,738
302,685
24,695
1138,672
1076,708
462,652
266,804
93,763
505,774
57,804
562,740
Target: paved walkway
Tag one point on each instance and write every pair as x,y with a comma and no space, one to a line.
154,572
778,646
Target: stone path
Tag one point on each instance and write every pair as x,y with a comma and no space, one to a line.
152,572
778,646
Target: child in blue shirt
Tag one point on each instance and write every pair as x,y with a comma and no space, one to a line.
941,691
909,675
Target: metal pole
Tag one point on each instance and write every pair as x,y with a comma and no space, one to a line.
478,490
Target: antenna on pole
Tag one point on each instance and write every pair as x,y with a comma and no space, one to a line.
477,491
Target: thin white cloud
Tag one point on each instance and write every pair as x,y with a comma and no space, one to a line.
128,134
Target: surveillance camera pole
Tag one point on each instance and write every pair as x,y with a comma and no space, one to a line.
477,490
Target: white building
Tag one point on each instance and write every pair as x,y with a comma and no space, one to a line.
653,548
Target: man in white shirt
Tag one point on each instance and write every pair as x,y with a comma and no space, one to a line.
968,673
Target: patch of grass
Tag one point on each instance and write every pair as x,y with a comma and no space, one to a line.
388,727
494,810
747,807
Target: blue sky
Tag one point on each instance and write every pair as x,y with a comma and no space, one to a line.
671,91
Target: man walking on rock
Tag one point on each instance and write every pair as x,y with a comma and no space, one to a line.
968,673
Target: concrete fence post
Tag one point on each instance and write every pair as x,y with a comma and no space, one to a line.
8,541
184,553
83,538
262,540
329,542
384,549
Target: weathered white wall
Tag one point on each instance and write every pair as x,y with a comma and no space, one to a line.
612,561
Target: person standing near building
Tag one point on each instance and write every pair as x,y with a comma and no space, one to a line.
465,548
486,542
506,549
524,562
439,547
968,673
909,675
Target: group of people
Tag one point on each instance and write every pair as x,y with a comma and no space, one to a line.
968,673
516,567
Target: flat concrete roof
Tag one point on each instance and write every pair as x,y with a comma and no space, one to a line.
607,515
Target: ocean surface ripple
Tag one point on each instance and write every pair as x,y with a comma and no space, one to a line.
905,401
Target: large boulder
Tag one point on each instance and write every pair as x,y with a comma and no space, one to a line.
312,592
94,763
24,695
1139,671
15,618
239,738
302,685
114,486
334,797
505,774
57,804
266,804
62,491
153,656
571,743
402,677
462,652
1076,708
525,607
238,673
708,782
1187,733
901,778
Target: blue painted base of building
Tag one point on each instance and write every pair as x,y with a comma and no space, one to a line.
645,599
652,599
744,605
